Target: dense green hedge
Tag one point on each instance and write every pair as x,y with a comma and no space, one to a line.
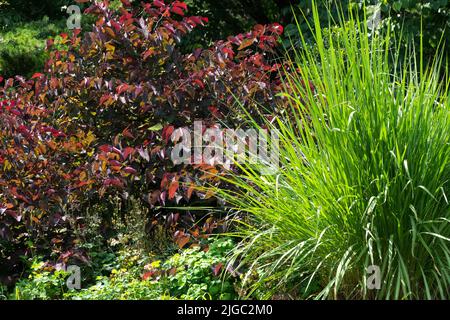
22,48
24,27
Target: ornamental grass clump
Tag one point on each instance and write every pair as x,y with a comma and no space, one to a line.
359,208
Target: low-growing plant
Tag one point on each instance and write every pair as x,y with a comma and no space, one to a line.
123,281
364,177
192,274
3,292
44,283
197,273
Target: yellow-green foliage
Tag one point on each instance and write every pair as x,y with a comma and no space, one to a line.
22,47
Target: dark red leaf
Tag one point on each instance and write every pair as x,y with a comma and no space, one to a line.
36,75
177,10
130,170
158,3
127,152
167,133
217,268
181,5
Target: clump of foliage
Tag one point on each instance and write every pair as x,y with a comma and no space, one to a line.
96,124
364,177
298,17
191,274
123,281
22,47
198,273
129,83
43,283
428,21
39,169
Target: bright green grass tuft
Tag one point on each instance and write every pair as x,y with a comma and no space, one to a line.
364,178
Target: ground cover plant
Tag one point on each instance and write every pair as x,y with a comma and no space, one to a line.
194,274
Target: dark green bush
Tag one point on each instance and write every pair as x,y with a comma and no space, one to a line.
42,284
232,17
35,9
433,17
227,18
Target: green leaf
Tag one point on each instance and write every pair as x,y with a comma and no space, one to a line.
156,127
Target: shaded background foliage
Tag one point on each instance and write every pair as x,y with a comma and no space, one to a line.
432,17
24,54
23,41
35,9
